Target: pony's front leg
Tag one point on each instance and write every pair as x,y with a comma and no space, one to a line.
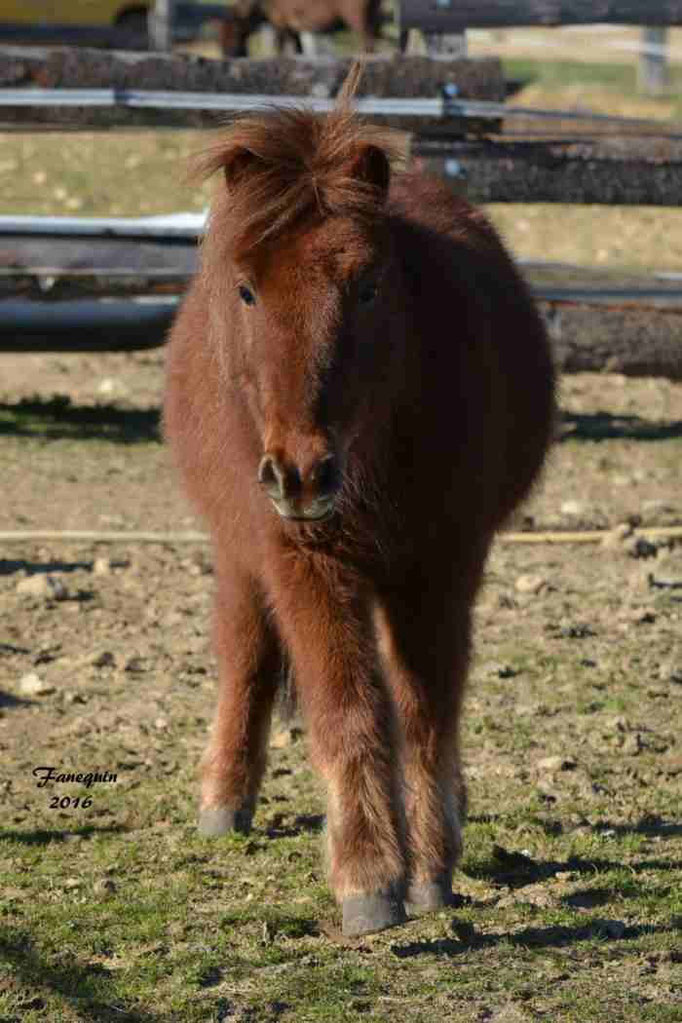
249,664
425,650
325,620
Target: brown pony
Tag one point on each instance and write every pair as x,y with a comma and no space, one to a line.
359,392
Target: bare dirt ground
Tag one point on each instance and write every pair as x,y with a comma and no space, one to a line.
571,743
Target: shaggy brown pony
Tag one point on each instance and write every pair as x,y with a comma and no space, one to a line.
359,392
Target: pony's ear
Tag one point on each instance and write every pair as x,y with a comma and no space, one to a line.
236,166
370,164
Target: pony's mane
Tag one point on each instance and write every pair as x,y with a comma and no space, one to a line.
284,163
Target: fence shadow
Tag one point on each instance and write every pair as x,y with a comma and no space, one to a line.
596,426
9,700
11,567
79,984
43,836
516,870
57,418
535,937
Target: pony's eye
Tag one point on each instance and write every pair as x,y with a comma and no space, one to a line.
367,291
246,295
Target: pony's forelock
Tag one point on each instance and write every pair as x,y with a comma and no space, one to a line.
283,163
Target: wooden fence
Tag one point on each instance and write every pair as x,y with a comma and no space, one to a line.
460,129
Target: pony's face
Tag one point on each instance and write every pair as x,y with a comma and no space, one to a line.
298,260
314,344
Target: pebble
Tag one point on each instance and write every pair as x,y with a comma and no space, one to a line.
285,737
108,386
42,585
530,584
135,666
572,507
639,547
556,763
33,685
104,660
105,886
101,566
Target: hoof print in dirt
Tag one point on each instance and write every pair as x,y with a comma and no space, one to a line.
216,821
367,914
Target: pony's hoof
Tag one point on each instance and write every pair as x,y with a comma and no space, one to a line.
366,914
427,896
220,820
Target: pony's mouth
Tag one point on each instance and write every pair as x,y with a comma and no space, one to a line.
317,511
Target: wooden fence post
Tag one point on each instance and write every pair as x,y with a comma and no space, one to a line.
652,69
161,21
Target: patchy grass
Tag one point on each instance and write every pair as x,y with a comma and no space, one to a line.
569,906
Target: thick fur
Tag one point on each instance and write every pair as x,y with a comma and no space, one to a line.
436,395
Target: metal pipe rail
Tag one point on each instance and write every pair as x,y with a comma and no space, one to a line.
438,109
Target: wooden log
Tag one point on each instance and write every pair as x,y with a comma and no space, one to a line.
80,257
618,171
458,15
628,340
87,325
597,320
397,76
623,339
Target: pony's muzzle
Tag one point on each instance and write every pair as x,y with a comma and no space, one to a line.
307,493
297,492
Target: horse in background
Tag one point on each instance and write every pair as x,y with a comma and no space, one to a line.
295,23
359,393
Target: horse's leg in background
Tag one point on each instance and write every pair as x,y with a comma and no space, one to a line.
288,42
424,639
249,660
364,19
326,622
308,41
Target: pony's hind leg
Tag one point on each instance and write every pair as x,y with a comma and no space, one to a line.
425,653
326,624
249,663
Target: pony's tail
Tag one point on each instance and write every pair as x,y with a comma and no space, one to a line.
286,701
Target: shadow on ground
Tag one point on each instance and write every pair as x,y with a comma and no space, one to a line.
515,870
43,836
57,418
535,937
9,700
78,983
607,426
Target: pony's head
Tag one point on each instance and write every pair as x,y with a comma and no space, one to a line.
302,281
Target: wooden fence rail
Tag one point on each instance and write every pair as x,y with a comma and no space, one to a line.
632,326
458,15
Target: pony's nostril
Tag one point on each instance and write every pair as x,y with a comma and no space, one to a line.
325,476
271,476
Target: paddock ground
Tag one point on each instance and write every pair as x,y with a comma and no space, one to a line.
569,888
